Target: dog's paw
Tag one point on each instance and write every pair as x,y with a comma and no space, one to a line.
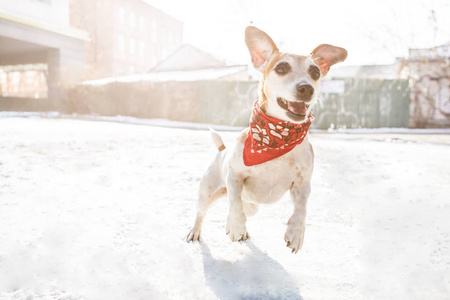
236,229
193,236
294,236
238,236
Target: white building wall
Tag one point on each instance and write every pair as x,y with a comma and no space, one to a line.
54,12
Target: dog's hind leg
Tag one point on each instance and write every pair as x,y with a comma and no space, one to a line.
211,189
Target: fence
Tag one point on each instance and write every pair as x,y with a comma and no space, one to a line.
365,103
215,102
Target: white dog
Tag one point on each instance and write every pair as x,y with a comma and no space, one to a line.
273,155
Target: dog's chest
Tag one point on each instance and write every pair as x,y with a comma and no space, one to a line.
268,182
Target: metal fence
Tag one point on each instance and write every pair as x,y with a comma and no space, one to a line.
366,103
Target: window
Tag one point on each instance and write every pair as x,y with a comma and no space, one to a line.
154,60
164,34
121,43
141,48
23,81
122,15
132,69
142,23
154,35
132,46
3,81
121,71
132,19
42,78
15,77
171,36
29,76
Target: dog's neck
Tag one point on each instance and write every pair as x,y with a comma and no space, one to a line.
269,137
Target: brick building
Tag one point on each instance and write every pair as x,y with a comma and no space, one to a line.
127,36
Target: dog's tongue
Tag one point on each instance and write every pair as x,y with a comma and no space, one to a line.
298,108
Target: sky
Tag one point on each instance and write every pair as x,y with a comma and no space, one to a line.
373,32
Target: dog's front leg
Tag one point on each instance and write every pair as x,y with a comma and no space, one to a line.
236,228
295,231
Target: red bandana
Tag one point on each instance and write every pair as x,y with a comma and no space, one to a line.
269,138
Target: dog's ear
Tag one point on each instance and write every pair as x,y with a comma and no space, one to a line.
327,55
260,46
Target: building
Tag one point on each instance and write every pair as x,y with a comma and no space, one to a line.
39,52
127,36
189,85
429,74
186,64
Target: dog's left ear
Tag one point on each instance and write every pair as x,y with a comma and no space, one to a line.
327,55
261,47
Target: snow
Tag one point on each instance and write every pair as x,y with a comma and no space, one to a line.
202,126
99,210
121,119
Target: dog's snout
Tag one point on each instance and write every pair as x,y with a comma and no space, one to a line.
305,91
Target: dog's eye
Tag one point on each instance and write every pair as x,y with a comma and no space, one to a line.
282,68
314,72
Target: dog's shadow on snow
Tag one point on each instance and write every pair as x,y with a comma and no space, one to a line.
256,276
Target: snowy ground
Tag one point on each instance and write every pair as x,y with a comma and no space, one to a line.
99,210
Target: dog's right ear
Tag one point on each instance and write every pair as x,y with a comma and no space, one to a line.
260,46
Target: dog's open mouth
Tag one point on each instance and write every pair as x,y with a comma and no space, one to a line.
294,110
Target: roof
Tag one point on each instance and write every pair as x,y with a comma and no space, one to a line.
63,30
188,58
366,71
442,51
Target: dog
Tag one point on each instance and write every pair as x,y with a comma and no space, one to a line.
273,155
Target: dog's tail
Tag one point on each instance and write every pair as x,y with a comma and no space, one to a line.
217,140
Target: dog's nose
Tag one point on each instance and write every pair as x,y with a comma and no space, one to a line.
305,91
